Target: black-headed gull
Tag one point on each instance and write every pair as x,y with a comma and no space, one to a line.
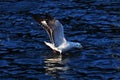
56,33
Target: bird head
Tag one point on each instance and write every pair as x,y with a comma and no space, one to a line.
77,45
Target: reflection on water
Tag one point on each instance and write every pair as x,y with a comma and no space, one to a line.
55,64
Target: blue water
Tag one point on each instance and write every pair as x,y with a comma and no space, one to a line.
94,23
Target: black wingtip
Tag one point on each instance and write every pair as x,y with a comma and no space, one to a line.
37,17
49,17
41,17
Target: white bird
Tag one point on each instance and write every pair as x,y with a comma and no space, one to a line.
56,33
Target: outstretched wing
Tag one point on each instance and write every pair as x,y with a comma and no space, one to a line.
53,27
41,20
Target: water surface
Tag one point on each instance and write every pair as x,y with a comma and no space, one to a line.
94,23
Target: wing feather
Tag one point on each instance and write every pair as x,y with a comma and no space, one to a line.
44,26
53,27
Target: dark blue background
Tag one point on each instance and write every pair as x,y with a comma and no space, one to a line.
94,23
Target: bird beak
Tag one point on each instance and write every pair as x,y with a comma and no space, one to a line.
81,46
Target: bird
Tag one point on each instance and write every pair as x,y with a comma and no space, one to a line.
55,30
